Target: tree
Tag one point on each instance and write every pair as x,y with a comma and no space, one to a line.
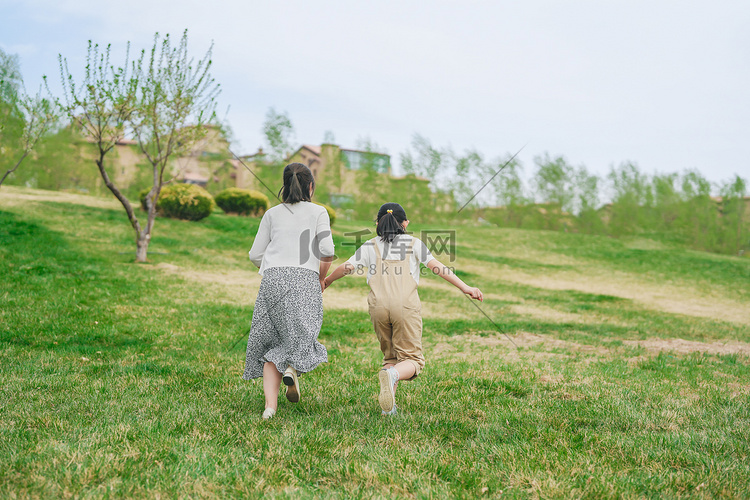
38,117
631,192
509,189
667,201
554,181
279,132
329,138
587,201
699,218
10,76
470,173
426,161
733,213
374,185
100,108
24,119
176,98
164,101
11,116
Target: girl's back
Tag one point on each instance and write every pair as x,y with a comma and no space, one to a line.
402,247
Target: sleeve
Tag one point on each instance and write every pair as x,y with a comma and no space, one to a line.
324,236
262,239
421,252
362,258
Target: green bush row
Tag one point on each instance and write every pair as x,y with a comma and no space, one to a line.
182,201
242,202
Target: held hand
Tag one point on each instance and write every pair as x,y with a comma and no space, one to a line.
474,293
323,285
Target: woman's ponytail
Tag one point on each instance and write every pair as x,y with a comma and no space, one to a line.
297,182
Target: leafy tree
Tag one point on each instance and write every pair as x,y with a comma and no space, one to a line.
24,119
470,170
100,108
164,100
631,191
39,117
279,133
554,181
509,190
426,161
329,138
667,201
734,231
587,201
11,81
11,116
508,185
374,185
176,98
698,221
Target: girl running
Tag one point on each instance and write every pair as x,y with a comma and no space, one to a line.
392,262
293,249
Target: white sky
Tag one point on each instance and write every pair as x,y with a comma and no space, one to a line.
665,84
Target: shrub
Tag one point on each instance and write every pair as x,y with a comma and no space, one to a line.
330,210
185,201
242,202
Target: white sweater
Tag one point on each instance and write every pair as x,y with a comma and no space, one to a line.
293,235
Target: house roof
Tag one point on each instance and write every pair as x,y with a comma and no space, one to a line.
315,149
190,176
365,152
412,176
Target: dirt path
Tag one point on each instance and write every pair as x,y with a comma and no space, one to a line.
13,195
665,297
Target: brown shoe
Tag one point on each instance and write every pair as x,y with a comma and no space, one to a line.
292,384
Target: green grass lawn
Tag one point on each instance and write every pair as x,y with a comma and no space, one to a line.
630,376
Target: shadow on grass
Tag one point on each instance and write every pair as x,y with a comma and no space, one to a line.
60,297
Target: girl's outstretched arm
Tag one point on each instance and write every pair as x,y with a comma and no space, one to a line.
339,272
445,272
325,264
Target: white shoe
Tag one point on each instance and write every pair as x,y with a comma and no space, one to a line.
386,398
388,413
268,413
292,385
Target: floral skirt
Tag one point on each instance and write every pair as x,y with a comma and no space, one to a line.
286,322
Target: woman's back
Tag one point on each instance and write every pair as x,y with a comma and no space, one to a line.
293,235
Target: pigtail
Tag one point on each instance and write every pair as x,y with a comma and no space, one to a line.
390,219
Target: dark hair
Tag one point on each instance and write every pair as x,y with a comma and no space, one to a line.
297,182
390,218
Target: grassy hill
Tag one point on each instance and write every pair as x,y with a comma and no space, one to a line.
628,373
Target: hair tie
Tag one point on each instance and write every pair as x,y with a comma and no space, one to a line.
389,211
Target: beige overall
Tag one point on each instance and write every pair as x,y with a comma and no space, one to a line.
395,311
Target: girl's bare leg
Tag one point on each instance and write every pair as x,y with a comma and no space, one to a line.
405,371
271,385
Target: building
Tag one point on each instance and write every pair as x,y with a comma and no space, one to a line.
328,156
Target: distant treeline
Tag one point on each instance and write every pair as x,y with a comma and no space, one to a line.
684,208
443,186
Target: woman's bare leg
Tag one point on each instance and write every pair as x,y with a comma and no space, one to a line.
271,385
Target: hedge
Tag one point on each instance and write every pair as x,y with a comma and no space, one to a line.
242,202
